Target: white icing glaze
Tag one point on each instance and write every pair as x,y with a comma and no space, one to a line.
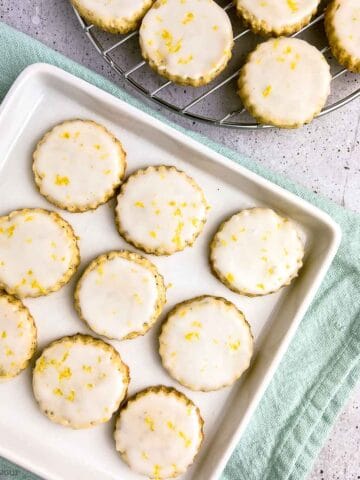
78,382
78,164
206,343
158,434
346,23
279,13
114,9
16,336
35,251
287,80
161,208
118,296
176,35
257,251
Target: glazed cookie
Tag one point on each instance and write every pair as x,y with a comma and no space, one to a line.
38,252
160,210
114,16
78,165
120,295
80,381
159,432
256,252
276,17
175,38
206,343
17,336
342,25
285,82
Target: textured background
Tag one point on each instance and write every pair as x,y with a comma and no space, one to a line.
324,156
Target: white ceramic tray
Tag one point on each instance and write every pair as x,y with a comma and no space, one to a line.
44,95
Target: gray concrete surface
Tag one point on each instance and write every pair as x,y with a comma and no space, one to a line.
324,156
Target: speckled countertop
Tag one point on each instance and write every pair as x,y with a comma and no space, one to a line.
324,156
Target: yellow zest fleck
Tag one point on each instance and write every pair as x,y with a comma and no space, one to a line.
107,172
197,324
230,277
172,203
29,218
234,238
293,65
137,298
10,231
264,259
173,354
65,135
287,50
223,243
261,286
150,423
293,5
29,272
3,334
99,359
286,252
100,270
53,244
195,221
185,60
87,368
158,18
280,59
71,396
190,336
186,439
263,4
152,234
20,325
177,213
169,42
215,27
276,43
139,204
271,271
41,364
144,455
242,230
170,425
53,257
169,285
150,42
36,284
89,386
234,345
61,180
183,312
8,352
58,392
97,146
267,90
66,373
189,17
177,237
28,240
156,472
65,356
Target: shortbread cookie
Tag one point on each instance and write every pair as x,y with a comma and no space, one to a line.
175,37
159,432
80,381
285,82
114,16
276,17
342,25
17,336
206,343
160,210
38,252
78,165
120,295
256,252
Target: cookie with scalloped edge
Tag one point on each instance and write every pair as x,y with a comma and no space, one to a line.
158,432
80,381
114,16
206,343
160,210
120,295
175,38
18,336
285,82
256,252
276,17
342,25
78,165
38,252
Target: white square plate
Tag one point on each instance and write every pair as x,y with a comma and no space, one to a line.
43,96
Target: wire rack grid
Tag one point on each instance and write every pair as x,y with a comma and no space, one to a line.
216,103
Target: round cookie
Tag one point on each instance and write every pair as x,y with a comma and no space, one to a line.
256,252
114,16
175,38
342,25
285,82
276,17
206,343
38,252
159,432
160,210
80,381
120,295
78,165
18,336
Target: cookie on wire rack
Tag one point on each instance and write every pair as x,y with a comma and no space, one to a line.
342,25
114,16
256,252
188,42
80,381
206,343
120,295
158,432
285,82
38,252
18,336
274,17
78,165
160,210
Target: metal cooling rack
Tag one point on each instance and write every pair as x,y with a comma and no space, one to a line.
216,103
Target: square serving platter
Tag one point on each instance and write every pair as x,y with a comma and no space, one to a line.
44,95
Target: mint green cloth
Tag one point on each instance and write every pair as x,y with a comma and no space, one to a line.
322,364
